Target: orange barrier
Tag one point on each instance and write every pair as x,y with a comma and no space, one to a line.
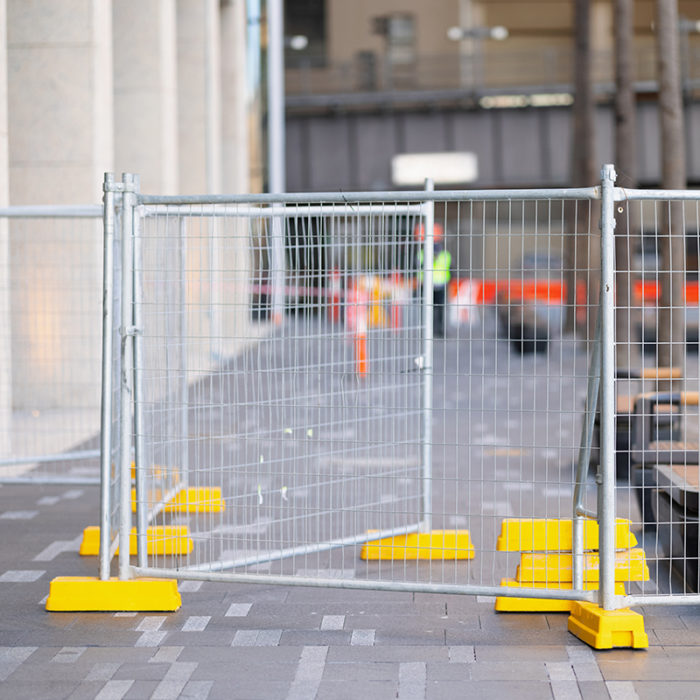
542,290
361,354
649,291
554,291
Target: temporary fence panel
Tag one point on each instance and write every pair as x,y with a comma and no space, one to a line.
285,418
366,410
50,302
657,380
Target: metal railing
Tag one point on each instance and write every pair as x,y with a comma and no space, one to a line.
542,68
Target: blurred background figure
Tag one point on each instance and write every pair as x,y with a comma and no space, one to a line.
442,261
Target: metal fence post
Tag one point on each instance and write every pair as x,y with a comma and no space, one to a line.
606,487
584,456
139,360
427,402
183,353
125,393
106,407
278,270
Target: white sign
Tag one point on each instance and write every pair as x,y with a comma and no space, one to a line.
412,169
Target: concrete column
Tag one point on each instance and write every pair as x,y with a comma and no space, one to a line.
235,152
5,324
234,248
199,95
60,110
145,92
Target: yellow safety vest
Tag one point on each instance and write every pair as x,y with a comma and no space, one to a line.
441,268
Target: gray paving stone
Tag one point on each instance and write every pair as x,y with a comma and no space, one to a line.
249,690
455,636
262,667
593,690
663,622
141,671
450,671
236,656
678,637
513,622
534,653
394,653
196,690
109,654
649,669
508,670
208,638
140,690
346,671
257,638
678,690
87,690
365,689
409,638
38,689
114,690
314,638
300,594
488,690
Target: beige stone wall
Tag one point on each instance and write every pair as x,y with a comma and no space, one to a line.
61,141
92,86
199,96
145,92
5,346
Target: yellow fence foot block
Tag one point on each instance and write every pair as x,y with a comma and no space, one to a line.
630,565
201,499
606,629
160,539
197,500
438,544
508,604
87,594
553,534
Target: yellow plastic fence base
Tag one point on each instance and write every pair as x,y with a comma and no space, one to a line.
605,629
508,604
552,534
86,594
438,544
160,539
630,565
201,499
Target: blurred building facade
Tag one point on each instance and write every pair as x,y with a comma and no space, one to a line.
167,89
382,77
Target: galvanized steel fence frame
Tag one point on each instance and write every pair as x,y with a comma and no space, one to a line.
116,487
659,464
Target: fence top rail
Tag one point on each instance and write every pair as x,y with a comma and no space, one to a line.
52,211
415,196
299,210
624,194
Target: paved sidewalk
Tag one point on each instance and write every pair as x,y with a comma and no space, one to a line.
249,642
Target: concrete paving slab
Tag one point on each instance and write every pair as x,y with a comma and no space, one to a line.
291,643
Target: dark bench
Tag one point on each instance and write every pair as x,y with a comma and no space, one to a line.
675,501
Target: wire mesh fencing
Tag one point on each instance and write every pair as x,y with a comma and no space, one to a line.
656,387
384,391
485,392
51,305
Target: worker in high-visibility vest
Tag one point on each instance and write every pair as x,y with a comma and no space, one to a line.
442,261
